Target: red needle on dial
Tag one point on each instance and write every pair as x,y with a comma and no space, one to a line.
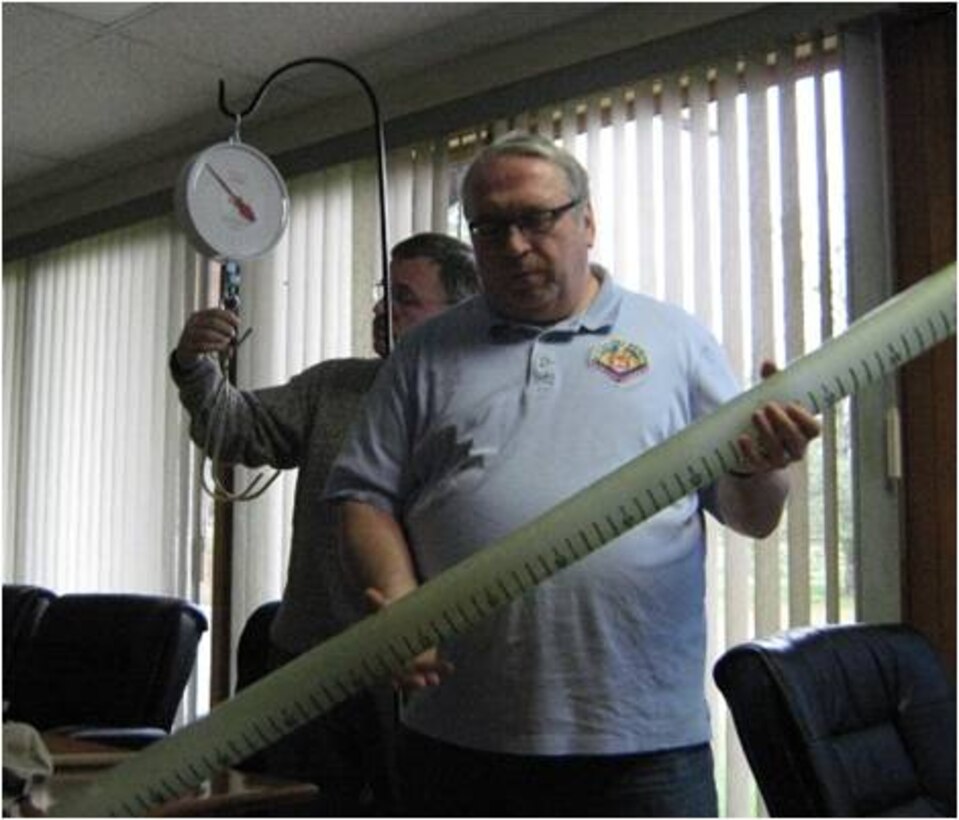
238,202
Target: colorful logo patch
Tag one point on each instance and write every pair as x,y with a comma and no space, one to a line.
619,359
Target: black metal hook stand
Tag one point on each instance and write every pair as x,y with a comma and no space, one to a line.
380,155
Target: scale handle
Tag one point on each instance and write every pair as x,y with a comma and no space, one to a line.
230,285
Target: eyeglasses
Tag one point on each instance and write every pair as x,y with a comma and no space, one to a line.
529,223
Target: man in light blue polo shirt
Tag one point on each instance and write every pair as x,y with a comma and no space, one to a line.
584,697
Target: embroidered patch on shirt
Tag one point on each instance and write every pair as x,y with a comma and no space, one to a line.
622,361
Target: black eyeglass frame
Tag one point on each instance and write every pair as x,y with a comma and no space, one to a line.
537,222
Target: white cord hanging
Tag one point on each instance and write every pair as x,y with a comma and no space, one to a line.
222,407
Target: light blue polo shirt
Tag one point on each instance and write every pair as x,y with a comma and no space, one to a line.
475,426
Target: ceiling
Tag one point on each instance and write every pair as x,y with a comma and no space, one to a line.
88,87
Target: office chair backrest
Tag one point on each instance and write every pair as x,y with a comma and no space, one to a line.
23,606
252,663
253,648
106,660
845,721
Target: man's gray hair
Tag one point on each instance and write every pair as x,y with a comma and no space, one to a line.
524,144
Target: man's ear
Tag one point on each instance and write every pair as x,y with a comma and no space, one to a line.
589,223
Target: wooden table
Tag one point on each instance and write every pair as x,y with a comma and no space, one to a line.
228,793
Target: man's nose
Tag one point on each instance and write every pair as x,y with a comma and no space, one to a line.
515,242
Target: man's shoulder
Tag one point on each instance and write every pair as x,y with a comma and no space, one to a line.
460,320
651,307
342,372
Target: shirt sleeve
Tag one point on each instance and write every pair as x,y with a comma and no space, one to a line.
713,380
371,467
250,427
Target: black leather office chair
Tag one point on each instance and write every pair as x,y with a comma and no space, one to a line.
252,655
845,721
253,648
287,757
23,606
108,666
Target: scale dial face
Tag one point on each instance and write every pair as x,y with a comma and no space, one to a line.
232,201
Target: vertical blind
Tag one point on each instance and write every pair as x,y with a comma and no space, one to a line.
718,188
95,463
98,475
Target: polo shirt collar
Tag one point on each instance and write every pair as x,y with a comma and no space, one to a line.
599,316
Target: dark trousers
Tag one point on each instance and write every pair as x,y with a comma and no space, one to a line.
438,779
347,752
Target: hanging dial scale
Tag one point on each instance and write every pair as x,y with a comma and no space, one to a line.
232,202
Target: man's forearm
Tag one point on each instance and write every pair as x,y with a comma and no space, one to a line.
752,501
753,504
376,550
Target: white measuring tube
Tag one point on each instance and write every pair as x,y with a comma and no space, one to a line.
370,651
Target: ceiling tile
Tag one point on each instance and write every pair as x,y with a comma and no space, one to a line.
33,36
104,14
26,163
258,37
118,89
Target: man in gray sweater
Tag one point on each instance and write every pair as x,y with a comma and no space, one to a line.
302,424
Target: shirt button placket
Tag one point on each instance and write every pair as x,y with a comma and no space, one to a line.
543,369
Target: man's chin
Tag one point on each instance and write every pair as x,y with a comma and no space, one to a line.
532,310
